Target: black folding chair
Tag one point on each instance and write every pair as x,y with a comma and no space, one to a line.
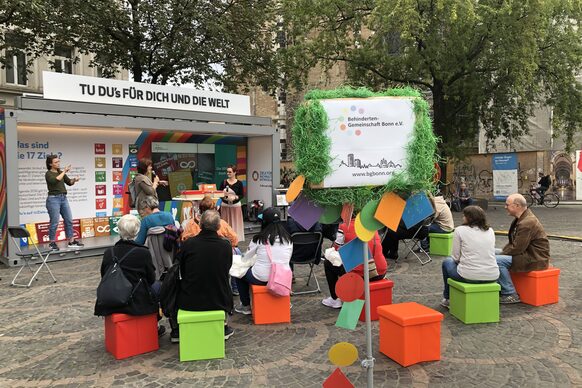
29,255
307,250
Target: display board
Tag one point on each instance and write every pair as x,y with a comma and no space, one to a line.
368,139
260,171
504,168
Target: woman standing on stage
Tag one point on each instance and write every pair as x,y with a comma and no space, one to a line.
57,203
231,210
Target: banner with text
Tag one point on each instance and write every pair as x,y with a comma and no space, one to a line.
260,170
58,86
369,138
504,168
97,157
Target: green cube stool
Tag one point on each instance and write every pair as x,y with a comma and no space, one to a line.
201,335
474,303
441,244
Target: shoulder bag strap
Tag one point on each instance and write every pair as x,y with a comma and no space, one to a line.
118,261
269,254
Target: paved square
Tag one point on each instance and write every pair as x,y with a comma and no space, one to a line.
49,336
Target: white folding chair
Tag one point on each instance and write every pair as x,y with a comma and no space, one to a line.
306,250
414,243
28,255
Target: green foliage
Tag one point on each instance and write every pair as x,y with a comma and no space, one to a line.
486,64
312,149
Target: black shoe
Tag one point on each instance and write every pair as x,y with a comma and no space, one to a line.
161,330
54,246
76,244
175,337
228,332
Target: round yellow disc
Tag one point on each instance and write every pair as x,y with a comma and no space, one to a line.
343,354
295,188
363,233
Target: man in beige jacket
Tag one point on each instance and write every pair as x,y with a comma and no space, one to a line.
528,248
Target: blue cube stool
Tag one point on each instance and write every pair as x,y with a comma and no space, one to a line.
474,303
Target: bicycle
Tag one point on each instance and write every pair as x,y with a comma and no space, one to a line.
550,200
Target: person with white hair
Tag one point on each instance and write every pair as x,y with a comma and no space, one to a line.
136,263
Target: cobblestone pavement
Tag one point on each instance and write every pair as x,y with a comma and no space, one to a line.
49,337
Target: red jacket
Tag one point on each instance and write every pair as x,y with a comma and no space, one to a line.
375,245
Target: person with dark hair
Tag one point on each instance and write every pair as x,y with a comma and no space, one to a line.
204,264
57,204
543,185
231,209
146,182
333,271
462,198
151,217
271,243
473,256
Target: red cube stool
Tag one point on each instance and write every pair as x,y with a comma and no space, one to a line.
129,335
410,333
380,295
268,308
537,288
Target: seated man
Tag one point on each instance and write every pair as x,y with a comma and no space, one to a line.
443,220
543,185
528,248
464,197
151,216
204,264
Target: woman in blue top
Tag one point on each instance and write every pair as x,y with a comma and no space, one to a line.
152,216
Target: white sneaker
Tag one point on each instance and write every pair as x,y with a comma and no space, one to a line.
445,303
333,303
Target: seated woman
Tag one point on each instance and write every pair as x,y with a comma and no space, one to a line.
192,226
137,267
473,256
346,234
152,216
274,234
462,198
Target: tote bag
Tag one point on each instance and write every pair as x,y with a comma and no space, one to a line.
281,277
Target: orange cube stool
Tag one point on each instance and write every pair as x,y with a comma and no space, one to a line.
129,335
380,295
268,308
410,333
537,287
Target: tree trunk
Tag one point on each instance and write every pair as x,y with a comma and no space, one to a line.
439,111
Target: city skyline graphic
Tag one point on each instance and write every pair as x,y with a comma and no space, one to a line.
357,163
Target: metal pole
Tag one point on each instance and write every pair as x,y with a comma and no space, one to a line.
368,362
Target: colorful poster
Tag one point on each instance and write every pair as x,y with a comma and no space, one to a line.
359,129
117,176
100,176
87,227
117,162
117,149
179,181
100,190
42,231
101,226
99,149
504,168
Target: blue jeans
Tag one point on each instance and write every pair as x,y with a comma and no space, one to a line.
504,263
450,271
58,205
243,285
432,228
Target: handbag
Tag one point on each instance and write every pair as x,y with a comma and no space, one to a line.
280,280
239,268
114,289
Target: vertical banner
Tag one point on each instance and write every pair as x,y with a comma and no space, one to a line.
3,226
504,168
579,175
260,170
225,155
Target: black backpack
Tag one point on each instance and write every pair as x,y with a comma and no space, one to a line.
169,289
115,290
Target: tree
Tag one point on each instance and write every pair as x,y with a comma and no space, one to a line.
485,63
171,41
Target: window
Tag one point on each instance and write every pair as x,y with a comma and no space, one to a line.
63,62
16,69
